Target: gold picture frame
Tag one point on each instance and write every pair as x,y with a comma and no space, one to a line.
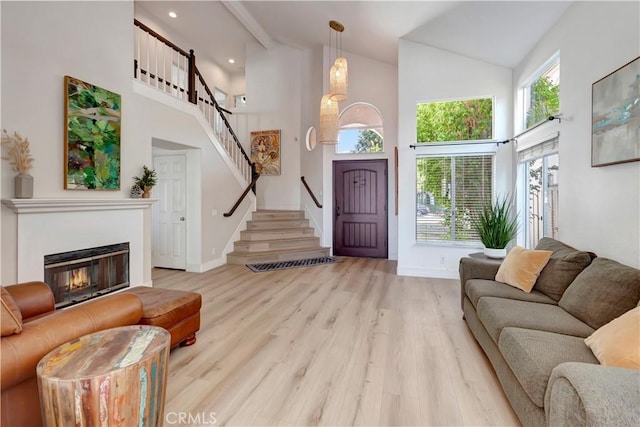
265,151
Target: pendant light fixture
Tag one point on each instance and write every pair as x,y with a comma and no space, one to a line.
339,73
329,108
328,133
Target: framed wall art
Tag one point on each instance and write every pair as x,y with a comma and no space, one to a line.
615,132
265,151
91,137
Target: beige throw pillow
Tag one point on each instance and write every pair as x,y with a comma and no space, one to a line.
521,267
11,320
618,342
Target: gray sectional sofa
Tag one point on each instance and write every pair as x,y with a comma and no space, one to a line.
535,341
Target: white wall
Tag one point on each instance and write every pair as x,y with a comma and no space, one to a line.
376,83
599,207
274,93
311,161
429,74
216,190
40,47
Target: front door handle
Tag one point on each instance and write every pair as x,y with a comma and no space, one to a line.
181,218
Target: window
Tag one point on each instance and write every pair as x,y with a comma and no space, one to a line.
450,191
240,101
452,188
221,99
360,129
542,96
540,166
452,121
538,156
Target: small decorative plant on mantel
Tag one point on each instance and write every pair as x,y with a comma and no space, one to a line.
146,182
496,227
19,157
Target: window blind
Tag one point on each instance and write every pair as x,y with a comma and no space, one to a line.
454,189
548,145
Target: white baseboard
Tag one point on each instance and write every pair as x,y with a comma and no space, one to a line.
427,272
209,265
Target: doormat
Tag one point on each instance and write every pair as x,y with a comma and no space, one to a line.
283,265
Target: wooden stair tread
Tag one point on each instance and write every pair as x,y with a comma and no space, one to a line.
275,230
278,211
286,239
278,251
276,235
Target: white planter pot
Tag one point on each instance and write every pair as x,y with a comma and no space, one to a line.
495,253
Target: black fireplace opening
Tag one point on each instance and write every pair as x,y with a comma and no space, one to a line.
80,275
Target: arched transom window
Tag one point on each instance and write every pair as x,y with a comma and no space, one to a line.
361,129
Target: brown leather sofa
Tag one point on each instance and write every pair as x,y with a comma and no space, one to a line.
43,330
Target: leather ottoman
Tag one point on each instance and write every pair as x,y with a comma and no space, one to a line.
176,311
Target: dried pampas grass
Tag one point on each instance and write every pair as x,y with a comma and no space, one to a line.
18,153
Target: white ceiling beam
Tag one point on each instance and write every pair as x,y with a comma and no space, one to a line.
246,18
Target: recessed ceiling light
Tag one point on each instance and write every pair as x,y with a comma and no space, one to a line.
232,61
173,14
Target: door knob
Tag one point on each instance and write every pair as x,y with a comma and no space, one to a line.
181,218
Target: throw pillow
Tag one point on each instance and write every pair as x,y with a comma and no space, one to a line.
603,291
563,267
521,267
618,342
11,317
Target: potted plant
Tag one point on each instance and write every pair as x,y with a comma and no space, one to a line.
146,181
496,227
19,156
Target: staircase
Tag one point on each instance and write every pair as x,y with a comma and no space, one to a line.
276,235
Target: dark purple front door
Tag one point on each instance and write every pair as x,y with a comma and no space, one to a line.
360,208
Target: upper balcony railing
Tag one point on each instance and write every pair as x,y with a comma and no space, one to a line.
161,64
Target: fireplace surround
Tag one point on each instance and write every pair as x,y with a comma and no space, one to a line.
79,275
51,226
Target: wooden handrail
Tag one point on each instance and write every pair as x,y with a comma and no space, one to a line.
159,37
313,196
251,186
221,111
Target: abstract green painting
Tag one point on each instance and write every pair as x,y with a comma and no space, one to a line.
92,137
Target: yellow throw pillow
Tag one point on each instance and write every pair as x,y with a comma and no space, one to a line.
521,267
618,342
11,317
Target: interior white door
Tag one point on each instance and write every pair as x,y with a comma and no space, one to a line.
169,213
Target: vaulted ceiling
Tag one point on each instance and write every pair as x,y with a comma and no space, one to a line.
498,32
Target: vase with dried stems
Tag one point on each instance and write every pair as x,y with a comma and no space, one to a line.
19,157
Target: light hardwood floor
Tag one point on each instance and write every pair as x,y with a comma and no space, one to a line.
334,345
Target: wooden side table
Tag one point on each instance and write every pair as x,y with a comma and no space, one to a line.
115,377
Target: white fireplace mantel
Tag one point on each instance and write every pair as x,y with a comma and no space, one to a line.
25,206
50,226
